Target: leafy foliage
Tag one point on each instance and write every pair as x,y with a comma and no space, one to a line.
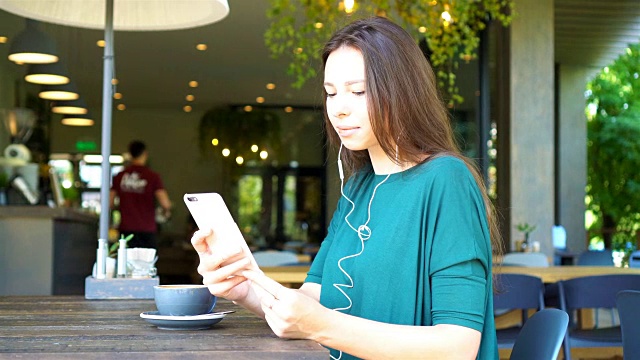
451,28
613,146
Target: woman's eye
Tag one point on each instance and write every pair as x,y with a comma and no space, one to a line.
331,94
358,93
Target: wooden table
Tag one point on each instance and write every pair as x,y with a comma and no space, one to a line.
71,327
297,274
554,274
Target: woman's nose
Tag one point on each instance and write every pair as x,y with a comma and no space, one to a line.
340,107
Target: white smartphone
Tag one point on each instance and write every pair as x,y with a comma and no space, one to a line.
210,212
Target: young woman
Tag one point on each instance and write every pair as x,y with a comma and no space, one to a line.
405,271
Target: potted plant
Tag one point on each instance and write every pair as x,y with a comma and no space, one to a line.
526,229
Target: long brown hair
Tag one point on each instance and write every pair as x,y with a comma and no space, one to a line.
404,104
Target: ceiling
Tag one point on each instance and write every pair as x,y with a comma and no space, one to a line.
594,32
154,68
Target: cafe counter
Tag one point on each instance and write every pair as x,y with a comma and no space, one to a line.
46,251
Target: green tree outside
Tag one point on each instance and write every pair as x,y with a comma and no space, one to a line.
613,150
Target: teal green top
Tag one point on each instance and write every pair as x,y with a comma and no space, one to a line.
428,260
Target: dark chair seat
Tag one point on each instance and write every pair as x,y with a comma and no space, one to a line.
610,335
507,337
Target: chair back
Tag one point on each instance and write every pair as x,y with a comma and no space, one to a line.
595,291
525,259
628,302
596,258
634,259
541,337
518,291
275,258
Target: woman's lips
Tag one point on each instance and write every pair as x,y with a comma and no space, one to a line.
345,131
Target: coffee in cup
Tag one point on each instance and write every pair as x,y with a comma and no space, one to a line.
182,300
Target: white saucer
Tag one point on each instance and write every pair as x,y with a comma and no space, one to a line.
194,322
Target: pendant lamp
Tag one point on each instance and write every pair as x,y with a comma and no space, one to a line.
70,107
47,74
110,15
77,120
32,46
59,92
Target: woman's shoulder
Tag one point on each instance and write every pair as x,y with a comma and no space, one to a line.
446,166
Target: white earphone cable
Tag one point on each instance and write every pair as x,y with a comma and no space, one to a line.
363,231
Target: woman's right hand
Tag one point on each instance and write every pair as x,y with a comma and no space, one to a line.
221,271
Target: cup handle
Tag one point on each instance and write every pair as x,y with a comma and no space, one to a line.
213,304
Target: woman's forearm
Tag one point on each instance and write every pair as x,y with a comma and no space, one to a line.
369,339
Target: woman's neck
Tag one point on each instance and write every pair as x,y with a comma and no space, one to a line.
382,164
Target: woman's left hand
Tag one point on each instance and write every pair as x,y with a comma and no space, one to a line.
290,313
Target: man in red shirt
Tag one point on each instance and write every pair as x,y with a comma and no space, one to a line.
138,188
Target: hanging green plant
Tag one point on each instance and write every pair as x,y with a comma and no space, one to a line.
451,28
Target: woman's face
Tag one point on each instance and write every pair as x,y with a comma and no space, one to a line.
344,82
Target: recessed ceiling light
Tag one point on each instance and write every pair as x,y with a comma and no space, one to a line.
193,84
259,99
117,96
190,97
248,108
121,107
100,43
3,39
187,108
201,47
271,86
288,109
